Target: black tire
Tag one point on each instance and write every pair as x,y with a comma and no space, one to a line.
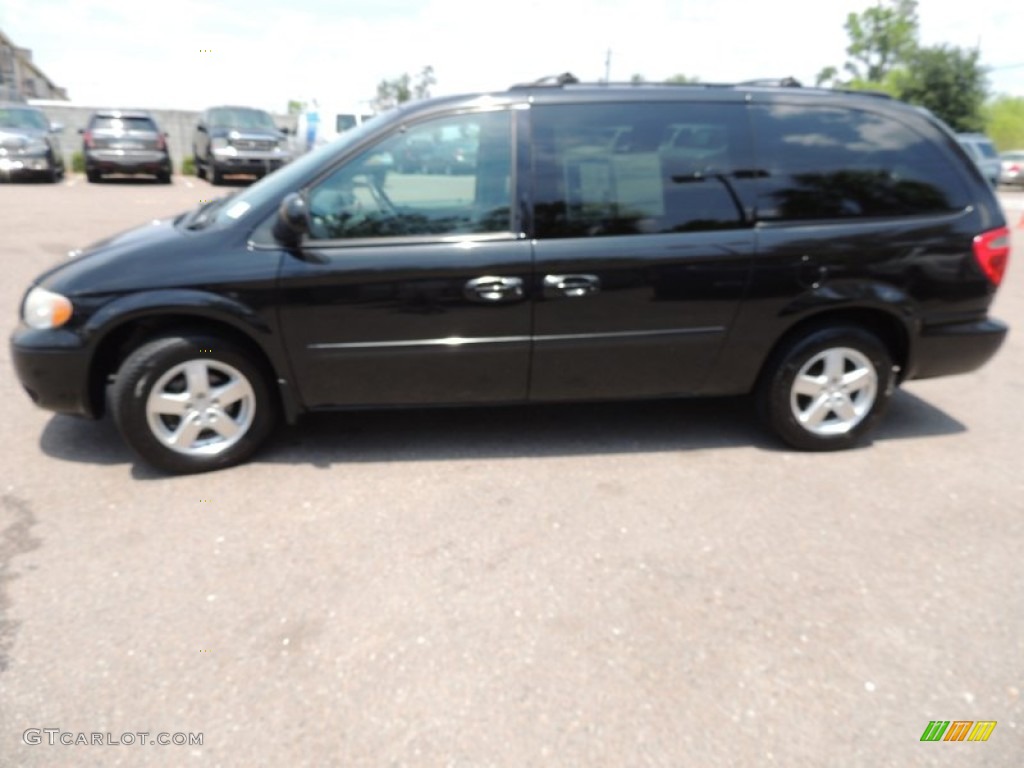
216,177
853,368
93,177
158,364
198,164
163,177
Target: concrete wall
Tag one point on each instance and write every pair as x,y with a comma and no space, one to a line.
178,123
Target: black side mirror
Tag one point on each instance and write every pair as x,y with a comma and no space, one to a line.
201,128
292,220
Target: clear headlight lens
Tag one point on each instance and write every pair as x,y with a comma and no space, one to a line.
219,143
35,145
45,309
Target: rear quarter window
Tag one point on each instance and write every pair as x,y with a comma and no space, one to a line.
821,162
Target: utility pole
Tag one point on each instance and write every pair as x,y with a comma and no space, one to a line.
608,66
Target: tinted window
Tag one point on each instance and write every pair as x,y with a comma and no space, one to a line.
824,162
609,169
102,123
459,183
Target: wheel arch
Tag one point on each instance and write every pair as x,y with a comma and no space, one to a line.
890,329
120,339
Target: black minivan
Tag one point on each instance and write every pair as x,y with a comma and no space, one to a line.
813,247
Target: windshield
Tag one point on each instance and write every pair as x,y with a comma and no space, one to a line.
23,118
288,179
246,119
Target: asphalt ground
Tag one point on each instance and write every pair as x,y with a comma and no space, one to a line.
647,584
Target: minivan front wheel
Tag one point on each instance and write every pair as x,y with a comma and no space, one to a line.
825,390
192,403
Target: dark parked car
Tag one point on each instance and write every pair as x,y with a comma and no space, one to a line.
29,147
812,247
125,142
238,140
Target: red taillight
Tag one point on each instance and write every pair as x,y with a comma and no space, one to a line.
160,143
87,137
1014,168
992,250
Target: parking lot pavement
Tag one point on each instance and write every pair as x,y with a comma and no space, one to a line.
598,585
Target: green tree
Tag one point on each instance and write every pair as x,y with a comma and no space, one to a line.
881,38
391,93
947,80
426,81
296,107
1004,122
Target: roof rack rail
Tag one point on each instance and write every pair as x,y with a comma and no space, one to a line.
551,81
774,82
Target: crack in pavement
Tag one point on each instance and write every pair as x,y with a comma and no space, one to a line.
15,539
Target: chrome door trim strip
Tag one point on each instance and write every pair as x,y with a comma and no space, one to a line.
461,341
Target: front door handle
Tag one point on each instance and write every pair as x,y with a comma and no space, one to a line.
556,286
493,289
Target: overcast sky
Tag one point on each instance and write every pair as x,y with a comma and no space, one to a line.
265,52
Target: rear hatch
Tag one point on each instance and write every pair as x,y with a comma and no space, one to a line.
129,134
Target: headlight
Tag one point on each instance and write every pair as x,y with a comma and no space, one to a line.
219,143
36,145
44,309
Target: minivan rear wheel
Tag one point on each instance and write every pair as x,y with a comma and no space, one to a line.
825,390
192,403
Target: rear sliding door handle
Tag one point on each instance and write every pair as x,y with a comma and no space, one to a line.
556,286
491,289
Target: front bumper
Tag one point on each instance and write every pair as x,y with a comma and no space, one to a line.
232,160
24,164
53,368
944,350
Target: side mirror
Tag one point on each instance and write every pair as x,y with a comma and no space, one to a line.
201,128
82,131
292,220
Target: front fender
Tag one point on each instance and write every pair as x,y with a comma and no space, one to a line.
177,301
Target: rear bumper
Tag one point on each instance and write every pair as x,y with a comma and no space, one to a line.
955,348
53,368
115,161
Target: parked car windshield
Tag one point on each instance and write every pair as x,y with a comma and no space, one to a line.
250,119
23,118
